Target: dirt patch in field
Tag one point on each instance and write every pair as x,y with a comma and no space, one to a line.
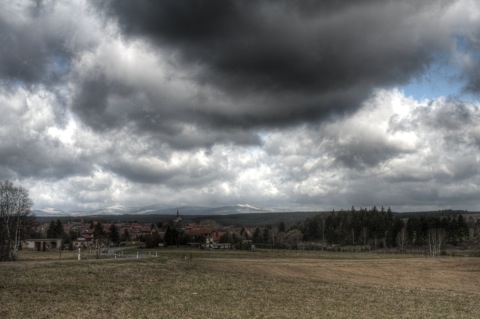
458,275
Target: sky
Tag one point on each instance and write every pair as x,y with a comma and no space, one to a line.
298,105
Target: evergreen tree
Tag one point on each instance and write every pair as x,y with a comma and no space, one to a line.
171,236
59,229
168,238
266,236
113,235
100,238
55,229
311,229
257,236
281,227
51,233
175,237
72,236
182,238
152,240
98,229
226,238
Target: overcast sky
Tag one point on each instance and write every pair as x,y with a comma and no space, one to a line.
313,105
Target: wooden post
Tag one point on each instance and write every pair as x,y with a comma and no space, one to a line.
79,253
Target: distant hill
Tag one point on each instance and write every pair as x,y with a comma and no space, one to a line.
258,219
157,210
447,212
247,220
241,215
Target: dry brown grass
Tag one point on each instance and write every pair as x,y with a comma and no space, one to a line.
452,274
216,285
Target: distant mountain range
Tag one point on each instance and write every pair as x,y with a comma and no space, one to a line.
158,210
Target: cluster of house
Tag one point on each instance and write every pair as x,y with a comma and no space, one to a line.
210,235
86,236
85,233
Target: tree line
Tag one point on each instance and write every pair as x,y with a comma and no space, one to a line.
373,228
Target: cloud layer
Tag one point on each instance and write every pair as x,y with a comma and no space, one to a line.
278,104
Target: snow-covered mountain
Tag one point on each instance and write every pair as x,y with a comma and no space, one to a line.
48,211
159,210
112,210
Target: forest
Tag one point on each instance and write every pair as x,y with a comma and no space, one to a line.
375,228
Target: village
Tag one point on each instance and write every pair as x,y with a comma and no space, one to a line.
354,230
90,234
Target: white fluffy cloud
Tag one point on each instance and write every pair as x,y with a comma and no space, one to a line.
396,151
114,107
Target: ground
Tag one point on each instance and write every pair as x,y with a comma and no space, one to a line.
225,284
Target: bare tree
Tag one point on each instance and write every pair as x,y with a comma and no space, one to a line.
15,212
436,239
364,235
476,235
293,237
402,239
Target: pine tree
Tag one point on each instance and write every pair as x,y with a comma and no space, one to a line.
168,238
59,229
266,235
257,236
281,227
114,235
51,230
152,240
55,229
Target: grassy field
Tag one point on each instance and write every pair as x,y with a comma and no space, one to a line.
229,284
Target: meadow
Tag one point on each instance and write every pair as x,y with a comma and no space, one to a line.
237,284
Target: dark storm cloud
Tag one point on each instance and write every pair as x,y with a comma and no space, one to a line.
188,175
141,173
365,153
107,105
91,104
34,46
472,72
149,104
469,46
451,115
43,159
284,62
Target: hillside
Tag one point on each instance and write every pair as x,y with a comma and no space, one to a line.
251,220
